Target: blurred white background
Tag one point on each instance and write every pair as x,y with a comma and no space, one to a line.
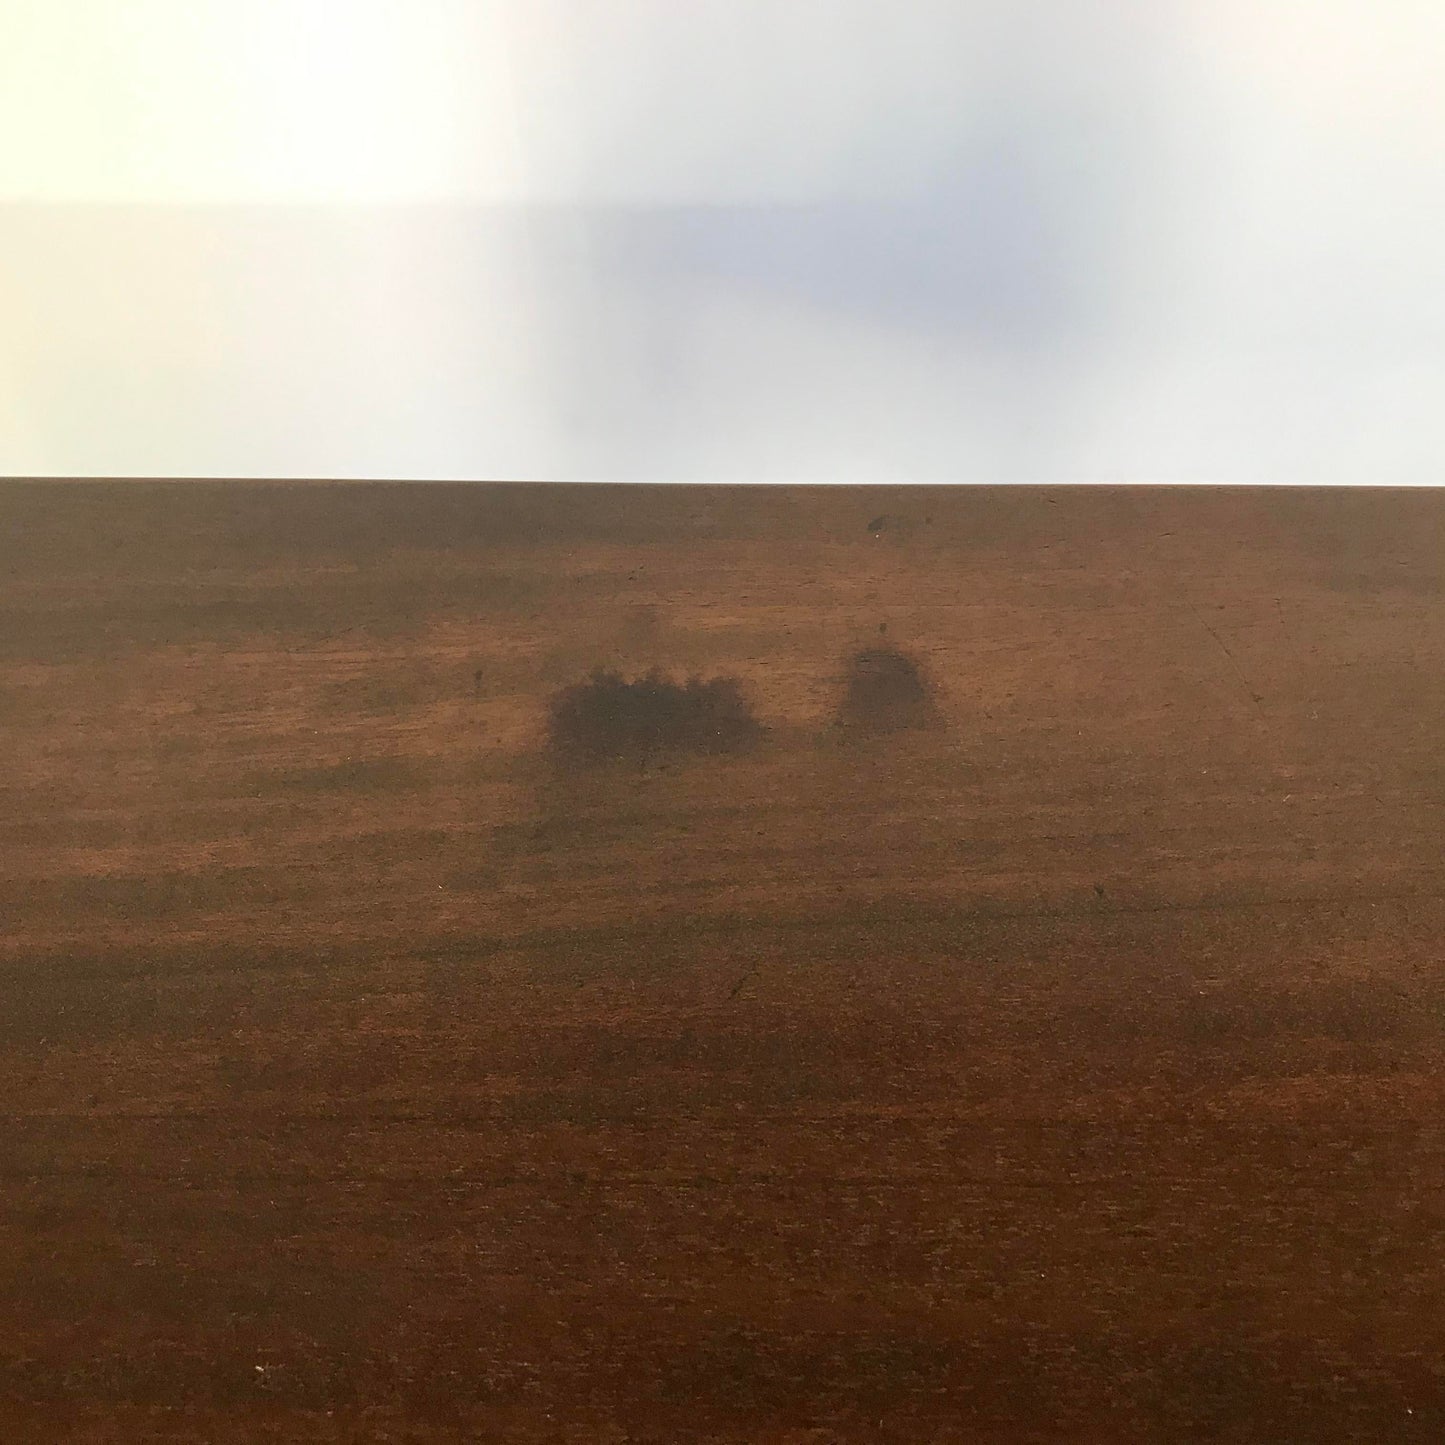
829,240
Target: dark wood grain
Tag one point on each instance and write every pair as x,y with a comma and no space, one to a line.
1068,1072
